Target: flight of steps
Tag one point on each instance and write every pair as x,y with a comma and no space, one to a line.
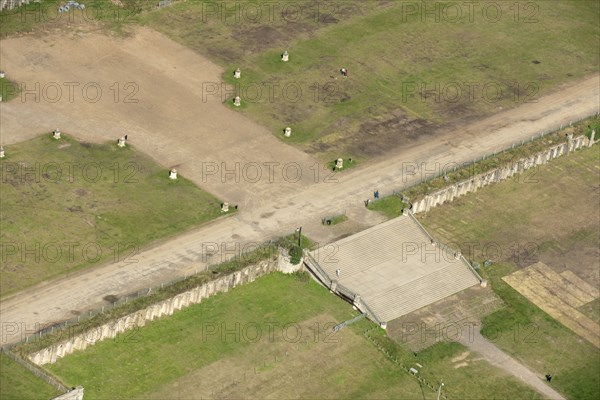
371,247
422,292
393,243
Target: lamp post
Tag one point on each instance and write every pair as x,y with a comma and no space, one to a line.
299,230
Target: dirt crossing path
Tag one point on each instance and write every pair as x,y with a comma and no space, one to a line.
498,358
173,124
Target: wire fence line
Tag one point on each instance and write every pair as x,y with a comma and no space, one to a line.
399,362
441,172
113,302
37,371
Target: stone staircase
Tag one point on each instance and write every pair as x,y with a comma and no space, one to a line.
422,292
372,247
395,268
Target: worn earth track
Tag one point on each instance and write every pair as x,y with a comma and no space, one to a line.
498,358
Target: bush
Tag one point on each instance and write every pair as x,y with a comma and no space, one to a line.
301,276
295,254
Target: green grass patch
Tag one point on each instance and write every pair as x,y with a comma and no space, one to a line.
391,206
516,223
68,205
334,220
17,383
182,343
429,81
205,345
349,162
528,333
266,252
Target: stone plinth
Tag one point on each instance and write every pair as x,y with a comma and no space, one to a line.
237,101
56,134
173,174
285,56
339,163
225,207
287,132
237,74
121,142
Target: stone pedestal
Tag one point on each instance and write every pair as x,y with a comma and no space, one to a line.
121,142
56,134
339,163
287,132
383,325
483,283
173,174
285,56
457,255
225,207
2,74
2,152
237,74
237,101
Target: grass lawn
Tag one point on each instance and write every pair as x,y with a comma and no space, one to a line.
410,73
17,383
391,206
67,205
551,217
334,220
269,339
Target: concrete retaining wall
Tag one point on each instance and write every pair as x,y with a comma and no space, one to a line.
451,192
137,319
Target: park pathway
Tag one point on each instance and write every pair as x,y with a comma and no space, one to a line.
477,343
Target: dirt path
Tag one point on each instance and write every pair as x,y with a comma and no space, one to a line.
173,124
154,90
498,358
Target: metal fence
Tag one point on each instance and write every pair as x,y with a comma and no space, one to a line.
423,179
37,371
115,302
